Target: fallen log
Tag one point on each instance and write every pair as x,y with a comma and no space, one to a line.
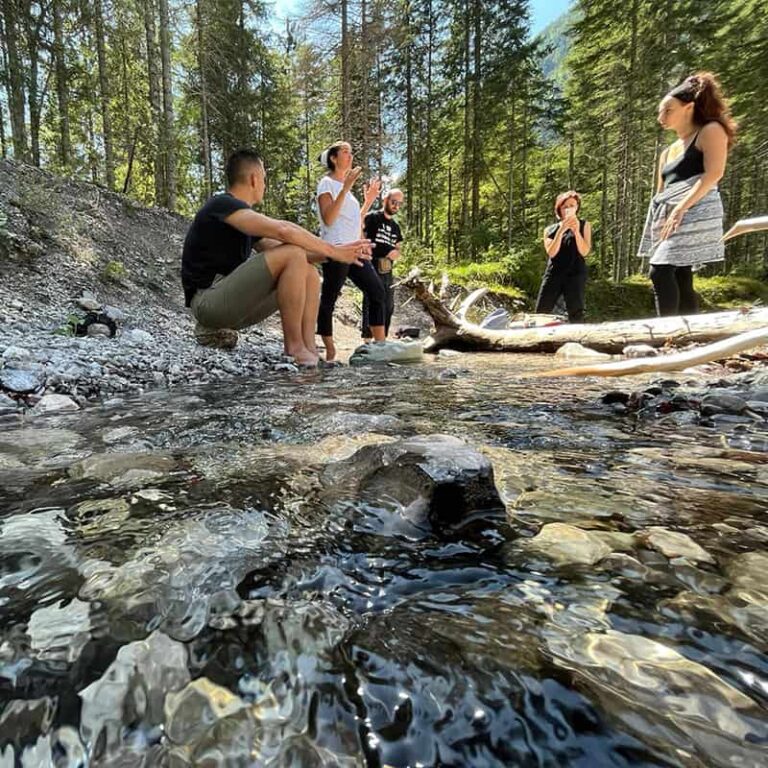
454,332
674,362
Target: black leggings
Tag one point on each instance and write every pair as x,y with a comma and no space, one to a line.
365,278
386,280
571,284
673,290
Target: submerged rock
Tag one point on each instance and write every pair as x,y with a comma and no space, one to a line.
435,478
123,468
60,633
55,403
569,545
675,544
23,720
130,695
387,352
640,680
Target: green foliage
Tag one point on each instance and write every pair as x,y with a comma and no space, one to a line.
114,271
726,291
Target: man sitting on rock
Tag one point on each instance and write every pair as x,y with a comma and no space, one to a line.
227,287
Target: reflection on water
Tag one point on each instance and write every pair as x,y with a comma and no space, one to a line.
179,586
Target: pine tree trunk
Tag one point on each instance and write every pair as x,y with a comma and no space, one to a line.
154,97
168,124
15,83
410,170
511,174
346,125
467,119
4,85
35,99
104,90
429,202
476,112
62,87
204,133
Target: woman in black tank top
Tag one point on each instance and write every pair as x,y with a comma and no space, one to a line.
696,111
567,244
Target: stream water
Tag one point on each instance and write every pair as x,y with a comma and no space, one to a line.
176,587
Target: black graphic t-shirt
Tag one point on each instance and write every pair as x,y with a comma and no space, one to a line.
213,247
384,233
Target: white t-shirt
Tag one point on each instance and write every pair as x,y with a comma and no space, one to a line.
346,227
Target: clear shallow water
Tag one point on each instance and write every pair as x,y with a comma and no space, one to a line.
341,634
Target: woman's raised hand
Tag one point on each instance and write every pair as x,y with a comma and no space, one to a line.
372,190
350,177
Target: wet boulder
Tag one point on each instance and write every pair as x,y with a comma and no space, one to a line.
387,352
209,725
723,403
569,545
438,479
673,544
131,693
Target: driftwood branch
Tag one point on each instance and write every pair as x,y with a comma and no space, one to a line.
454,332
674,362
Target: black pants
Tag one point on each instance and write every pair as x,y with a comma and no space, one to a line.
569,283
673,290
389,308
365,278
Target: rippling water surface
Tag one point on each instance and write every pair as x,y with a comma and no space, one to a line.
178,588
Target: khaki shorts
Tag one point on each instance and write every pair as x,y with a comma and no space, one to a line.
244,297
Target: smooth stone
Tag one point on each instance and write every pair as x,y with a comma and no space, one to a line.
116,434
115,314
7,403
55,403
190,712
616,540
749,573
16,353
569,545
449,353
286,367
646,684
137,337
639,350
673,544
572,350
388,352
60,633
722,403
123,467
21,381
88,302
133,689
99,330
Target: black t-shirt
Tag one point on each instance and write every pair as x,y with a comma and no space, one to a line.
213,247
384,233
568,255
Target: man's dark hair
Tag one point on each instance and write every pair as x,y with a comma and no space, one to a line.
239,163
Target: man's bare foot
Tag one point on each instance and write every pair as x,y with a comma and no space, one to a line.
330,351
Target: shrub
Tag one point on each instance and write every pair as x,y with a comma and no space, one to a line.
114,271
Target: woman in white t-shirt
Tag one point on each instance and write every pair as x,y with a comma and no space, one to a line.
340,222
